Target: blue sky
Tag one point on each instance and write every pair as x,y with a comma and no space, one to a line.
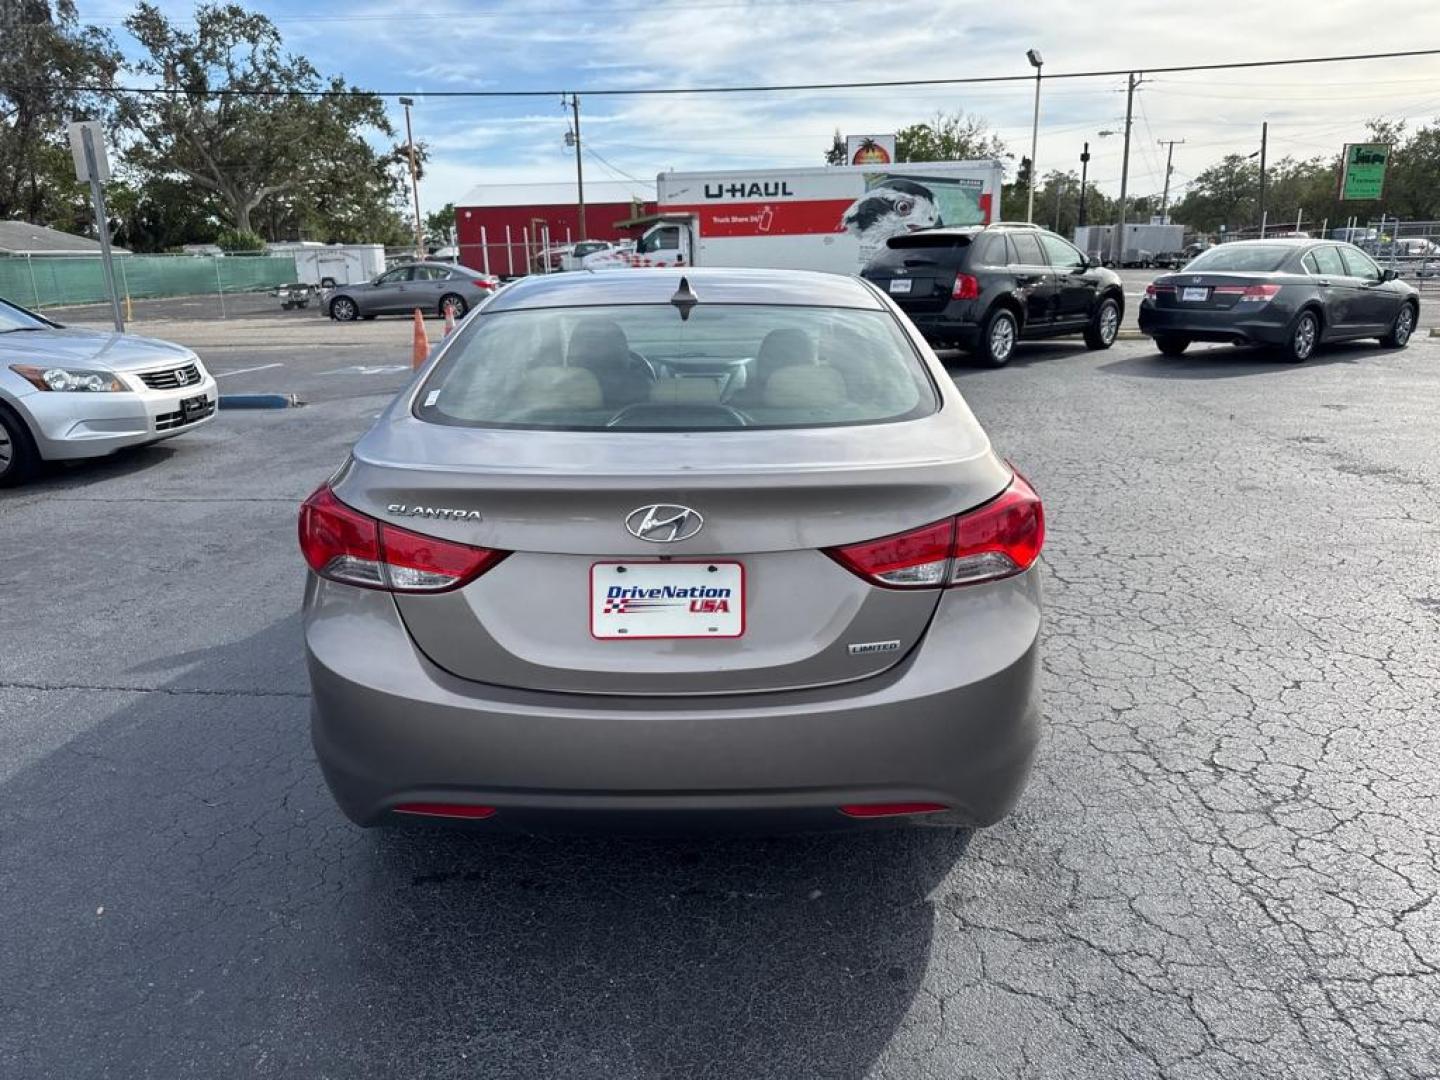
572,44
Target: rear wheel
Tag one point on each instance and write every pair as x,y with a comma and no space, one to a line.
18,456
343,309
1400,331
997,342
1104,325
1304,335
455,303
1171,344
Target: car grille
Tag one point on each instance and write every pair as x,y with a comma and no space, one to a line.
169,420
172,379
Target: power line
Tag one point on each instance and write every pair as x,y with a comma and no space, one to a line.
757,88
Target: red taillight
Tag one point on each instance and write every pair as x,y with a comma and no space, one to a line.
1260,293
345,545
997,540
450,810
1153,290
966,287
864,810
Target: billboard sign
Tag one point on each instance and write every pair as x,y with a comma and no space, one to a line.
870,150
1362,172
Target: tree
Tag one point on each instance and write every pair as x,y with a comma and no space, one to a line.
440,224
948,137
43,52
237,120
836,154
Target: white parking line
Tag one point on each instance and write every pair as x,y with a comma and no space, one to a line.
369,369
246,370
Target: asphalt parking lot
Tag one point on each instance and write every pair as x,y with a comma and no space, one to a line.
1226,865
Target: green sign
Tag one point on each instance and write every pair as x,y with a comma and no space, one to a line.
1362,176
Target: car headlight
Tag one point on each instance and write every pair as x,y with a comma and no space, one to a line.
69,379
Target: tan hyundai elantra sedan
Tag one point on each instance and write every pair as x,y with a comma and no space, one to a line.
652,549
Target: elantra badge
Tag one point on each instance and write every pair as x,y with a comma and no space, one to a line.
663,523
441,513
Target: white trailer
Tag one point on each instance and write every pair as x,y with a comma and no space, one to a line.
831,218
1144,245
328,265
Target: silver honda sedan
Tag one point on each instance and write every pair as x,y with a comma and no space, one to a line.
68,393
642,550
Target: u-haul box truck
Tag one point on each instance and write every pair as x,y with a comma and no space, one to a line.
828,218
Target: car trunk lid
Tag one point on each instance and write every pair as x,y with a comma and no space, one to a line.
771,502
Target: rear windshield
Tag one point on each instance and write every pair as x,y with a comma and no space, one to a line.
1259,258
643,367
920,249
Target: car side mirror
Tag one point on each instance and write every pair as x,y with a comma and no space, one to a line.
1388,274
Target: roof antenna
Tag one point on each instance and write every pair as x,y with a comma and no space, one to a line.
684,299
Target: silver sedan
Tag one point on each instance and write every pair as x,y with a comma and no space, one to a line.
650,550
69,393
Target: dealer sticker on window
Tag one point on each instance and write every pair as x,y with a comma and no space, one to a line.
667,600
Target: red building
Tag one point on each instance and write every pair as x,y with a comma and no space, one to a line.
501,228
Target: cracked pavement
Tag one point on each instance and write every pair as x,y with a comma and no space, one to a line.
1226,865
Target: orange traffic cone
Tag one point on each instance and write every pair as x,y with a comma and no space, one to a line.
449,319
420,349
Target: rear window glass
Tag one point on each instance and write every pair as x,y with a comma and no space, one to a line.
921,249
1243,257
641,367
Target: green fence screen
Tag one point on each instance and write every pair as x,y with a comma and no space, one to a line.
54,281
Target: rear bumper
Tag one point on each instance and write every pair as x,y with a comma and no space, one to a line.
68,426
955,324
956,723
1267,326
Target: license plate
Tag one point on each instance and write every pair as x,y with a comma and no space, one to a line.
192,408
667,600
900,285
1198,296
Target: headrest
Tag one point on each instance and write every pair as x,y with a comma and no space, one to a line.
810,387
559,388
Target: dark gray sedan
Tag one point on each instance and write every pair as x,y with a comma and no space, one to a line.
646,549
1292,294
431,287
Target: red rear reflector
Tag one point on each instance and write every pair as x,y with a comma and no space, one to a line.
342,544
966,287
864,810
997,540
441,809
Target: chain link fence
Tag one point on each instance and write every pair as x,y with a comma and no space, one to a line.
53,281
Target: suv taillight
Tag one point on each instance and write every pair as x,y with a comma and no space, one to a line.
967,287
347,546
997,540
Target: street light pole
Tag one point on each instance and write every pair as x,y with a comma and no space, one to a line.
1264,138
1033,55
1084,173
414,180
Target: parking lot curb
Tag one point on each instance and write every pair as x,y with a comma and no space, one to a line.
260,401
1435,331
1128,335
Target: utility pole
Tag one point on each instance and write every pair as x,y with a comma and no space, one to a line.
1264,138
414,180
573,137
1131,82
1169,157
1084,174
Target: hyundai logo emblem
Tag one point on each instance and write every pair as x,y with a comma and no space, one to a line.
663,523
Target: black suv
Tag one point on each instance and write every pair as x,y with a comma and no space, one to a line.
983,289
